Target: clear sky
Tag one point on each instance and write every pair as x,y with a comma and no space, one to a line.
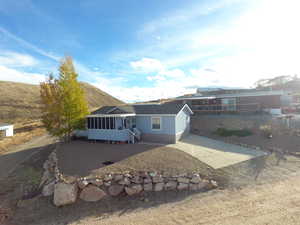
148,49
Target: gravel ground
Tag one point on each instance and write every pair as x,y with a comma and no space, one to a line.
84,158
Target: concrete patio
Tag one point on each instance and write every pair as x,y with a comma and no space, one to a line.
216,154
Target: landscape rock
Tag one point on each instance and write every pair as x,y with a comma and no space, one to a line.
118,177
182,186
147,180
196,179
148,187
159,186
65,194
82,183
46,178
134,189
48,189
96,182
115,189
212,184
136,180
108,177
125,181
171,185
183,180
92,193
157,179
107,184
199,186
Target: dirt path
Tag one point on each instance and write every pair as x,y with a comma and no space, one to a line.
11,159
277,203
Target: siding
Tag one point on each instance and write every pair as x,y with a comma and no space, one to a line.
143,123
111,135
183,122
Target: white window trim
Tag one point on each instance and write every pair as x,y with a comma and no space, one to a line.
156,117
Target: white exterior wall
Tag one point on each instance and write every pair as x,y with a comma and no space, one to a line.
9,130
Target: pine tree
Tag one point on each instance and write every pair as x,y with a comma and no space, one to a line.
64,103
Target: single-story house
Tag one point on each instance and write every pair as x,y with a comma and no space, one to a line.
6,130
162,123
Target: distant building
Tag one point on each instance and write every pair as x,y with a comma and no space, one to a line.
6,130
237,100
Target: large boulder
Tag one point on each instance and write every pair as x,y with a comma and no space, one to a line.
115,190
97,182
148,187
195,187
170,185
182,186
65,194
92,193
196,179
48,189
134,189
157,179
125,181
82,183
159,186
184,180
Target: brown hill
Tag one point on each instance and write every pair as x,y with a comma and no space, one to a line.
22,101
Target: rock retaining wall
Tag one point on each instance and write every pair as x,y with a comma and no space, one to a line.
67,190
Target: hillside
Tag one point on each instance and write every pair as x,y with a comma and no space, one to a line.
22,101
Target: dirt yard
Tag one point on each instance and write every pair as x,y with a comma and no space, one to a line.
254,203
83,158
23,132
243,200
280,140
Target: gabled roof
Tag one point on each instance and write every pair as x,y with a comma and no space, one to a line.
166,108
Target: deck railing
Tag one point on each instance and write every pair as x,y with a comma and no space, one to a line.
250,107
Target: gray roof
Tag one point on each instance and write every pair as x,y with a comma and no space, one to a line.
166,108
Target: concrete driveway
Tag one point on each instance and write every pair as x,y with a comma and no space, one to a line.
216,154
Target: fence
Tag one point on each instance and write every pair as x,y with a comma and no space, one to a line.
250,107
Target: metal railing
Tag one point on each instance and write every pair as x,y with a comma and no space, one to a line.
250,107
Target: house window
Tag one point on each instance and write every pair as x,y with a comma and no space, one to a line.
156,123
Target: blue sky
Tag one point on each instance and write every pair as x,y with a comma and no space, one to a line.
148,49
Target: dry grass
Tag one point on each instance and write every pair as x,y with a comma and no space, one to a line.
20,101
23,132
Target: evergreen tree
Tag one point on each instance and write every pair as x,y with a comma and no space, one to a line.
64,103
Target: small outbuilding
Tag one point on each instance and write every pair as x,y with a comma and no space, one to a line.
6,130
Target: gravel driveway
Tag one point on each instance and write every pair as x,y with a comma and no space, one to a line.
216,154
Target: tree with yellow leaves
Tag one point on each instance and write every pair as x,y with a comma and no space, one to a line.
64,105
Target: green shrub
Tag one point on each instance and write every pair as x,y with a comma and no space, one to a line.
227,132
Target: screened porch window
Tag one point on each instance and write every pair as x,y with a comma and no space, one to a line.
156,123
101,123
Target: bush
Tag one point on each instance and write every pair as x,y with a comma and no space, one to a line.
227,132
266,130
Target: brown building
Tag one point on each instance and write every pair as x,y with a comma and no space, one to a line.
244,100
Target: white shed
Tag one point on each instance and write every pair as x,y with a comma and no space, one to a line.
6,130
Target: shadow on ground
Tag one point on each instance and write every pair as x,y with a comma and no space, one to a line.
81,157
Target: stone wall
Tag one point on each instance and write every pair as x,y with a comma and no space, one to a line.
66,190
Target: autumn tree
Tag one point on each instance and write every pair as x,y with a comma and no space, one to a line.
64,105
